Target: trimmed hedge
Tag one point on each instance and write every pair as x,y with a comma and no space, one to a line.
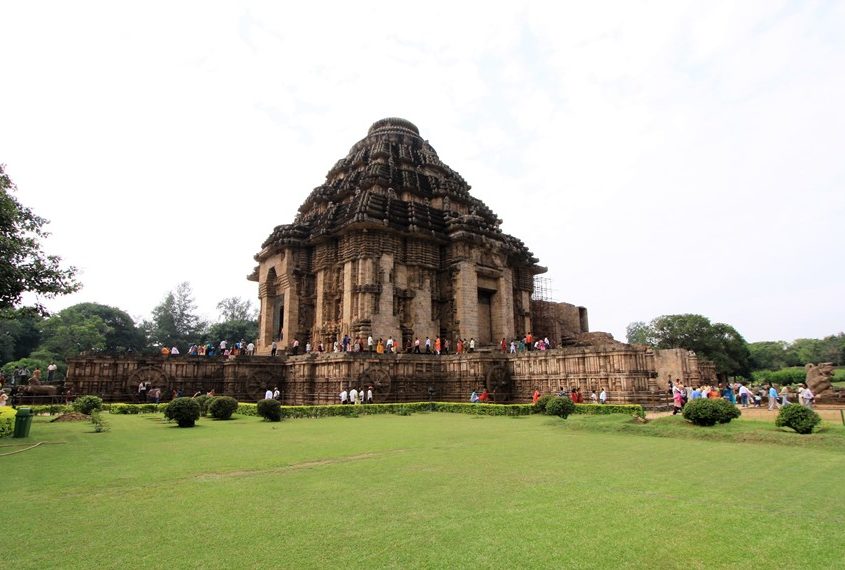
87,404
222,407
560,406
607,409
131,409
337,410
186,411
269,409
709,412
7,421
802,420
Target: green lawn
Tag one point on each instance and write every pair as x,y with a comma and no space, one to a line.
423,491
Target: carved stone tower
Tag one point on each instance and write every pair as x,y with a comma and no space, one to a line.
393,244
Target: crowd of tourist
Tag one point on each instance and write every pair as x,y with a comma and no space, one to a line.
738,392
353,396
437,345
239,348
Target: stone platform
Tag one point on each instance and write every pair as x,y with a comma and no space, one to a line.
627,372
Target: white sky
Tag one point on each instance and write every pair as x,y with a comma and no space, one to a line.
659,157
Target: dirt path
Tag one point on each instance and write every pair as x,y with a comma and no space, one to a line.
828,413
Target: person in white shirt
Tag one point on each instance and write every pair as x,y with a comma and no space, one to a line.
472,344
276,393
370,345
370,395
344,397
603,396
389,345
174,351
268,395
223,345
250,349
806,396
353,396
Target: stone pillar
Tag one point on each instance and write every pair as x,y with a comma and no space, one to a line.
347,298
466,300
502,310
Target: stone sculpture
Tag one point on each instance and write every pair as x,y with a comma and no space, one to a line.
819,377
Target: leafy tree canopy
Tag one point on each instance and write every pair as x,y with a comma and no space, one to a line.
175,322
24,267
718,342
20,332
237,309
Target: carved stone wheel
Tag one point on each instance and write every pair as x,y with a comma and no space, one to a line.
498,380
256,385
150,374
376,377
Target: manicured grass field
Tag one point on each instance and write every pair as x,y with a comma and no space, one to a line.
423,491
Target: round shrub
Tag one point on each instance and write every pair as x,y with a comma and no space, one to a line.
707,412
185,411
270,410
203,400
222,407
87,404
557,406
801,419
540,406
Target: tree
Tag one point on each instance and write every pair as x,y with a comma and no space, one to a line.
772,355
70,333
236,309
122,332
233,331
718,342
639,332
24,267
175,322
19,332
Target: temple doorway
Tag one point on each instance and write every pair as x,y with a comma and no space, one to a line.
485,316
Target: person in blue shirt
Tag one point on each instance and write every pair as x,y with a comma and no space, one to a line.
773,397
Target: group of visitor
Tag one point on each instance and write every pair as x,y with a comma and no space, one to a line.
208,349
436,346
356,396
738,392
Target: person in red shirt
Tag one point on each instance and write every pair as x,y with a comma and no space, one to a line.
484,397
535,396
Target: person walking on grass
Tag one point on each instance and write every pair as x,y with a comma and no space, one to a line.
773,398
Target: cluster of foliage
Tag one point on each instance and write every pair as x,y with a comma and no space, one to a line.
559,406
222,407
184,411
87,404
203,400
7,421
24,267
709,412
99,422
269,409
540,406
774,355
127,409
718,342
802,420
784,376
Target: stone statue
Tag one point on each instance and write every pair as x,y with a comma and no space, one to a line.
818,377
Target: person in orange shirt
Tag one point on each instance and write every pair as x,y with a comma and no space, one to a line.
437,346
536,396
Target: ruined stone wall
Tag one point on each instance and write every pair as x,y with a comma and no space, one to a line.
557,321
628,373
681,365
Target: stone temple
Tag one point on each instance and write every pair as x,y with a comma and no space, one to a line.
393,245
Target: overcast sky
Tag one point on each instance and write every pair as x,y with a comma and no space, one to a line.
659,158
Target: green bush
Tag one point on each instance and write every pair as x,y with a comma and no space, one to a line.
707,412
247,409
222,407
7,421
131,409
540,406
606,409
270,410
87,404
784,376
558,406
802,420
203,400
185,411
100,423
52,409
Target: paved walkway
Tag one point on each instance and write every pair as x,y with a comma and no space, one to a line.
828,413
